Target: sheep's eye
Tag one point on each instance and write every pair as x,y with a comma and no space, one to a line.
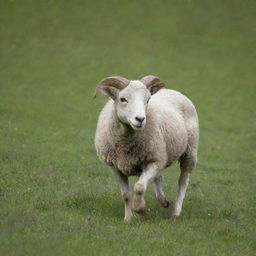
124,100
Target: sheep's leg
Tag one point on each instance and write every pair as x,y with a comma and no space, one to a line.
123,183
187,164
183,184
160,193
149,173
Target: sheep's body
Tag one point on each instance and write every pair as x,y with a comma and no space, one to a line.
135,136
171,131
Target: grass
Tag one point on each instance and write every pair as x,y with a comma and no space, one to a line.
56,198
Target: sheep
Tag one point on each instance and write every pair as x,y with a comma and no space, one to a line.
143,129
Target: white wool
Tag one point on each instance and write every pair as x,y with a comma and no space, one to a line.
169,132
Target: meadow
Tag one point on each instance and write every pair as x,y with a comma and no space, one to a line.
56,197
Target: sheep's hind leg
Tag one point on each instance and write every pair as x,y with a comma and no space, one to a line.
187,164
183,184
160,193
147,176
123,183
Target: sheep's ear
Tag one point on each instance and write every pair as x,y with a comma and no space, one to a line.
156,87
153,83
111,85
108,91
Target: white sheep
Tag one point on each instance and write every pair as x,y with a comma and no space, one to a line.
141,131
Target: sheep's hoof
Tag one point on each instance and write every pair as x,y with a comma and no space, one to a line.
175,213
139,205
173,218
140,210
127,220
165,203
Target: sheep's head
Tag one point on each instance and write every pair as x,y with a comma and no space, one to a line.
131,97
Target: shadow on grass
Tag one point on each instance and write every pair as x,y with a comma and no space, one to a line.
112,207
104,205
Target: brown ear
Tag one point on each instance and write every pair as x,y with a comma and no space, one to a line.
110,86
156,87
153,83
108,91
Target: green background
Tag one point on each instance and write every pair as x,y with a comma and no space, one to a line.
56,198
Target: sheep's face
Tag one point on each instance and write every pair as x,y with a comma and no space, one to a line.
131,104
131,97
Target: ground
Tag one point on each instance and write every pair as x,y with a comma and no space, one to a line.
56,198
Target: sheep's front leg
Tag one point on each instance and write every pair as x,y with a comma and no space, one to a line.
148,174
123,183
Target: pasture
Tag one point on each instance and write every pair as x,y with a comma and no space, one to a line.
56,197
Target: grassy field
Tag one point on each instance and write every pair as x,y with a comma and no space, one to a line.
56,198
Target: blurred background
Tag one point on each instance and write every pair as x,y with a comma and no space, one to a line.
55,195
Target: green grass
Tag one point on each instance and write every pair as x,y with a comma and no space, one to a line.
56,198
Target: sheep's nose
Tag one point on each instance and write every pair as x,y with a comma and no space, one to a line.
139,118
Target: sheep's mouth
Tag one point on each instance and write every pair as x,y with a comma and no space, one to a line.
137,126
